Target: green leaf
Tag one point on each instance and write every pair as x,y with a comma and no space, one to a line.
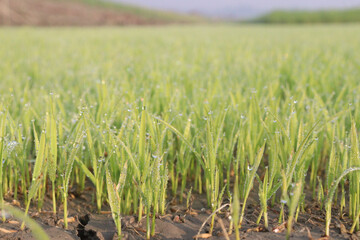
174,130
112,194
40,157
85,170
71,158
53,150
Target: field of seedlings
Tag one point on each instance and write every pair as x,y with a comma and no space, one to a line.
218,132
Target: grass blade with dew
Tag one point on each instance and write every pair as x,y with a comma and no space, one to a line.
69,167
142,154
294,200
94,160
250,180
174,130
354,179
2,135
52,128
114,200
37,172
330,196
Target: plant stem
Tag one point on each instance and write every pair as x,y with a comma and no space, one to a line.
54,197
118,225
26,212
65,211
212,224
140,209
148,231
153,224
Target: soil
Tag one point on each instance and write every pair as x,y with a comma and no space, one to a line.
63,13
178,223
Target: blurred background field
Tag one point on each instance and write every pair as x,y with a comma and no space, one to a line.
118,12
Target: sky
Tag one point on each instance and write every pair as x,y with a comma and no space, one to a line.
240,8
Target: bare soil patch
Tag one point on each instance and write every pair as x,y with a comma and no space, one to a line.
178,223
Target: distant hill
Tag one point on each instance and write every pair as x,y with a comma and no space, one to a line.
299,17
83,12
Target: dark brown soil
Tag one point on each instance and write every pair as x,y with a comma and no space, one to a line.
178,223
63,13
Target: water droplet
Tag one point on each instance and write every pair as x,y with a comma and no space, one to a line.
11,146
